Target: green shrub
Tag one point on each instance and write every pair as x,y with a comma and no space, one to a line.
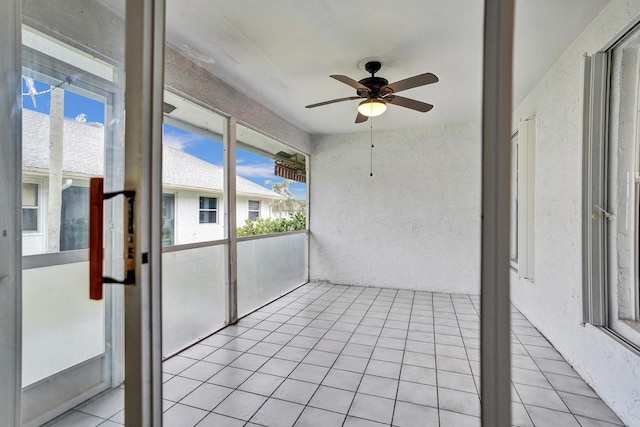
295,221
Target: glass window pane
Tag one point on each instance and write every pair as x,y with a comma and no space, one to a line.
168,225
74,224
29,194
29,219
271,185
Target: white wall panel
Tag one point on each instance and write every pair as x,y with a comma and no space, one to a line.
269,268
192,296
553,303
61,326
415,224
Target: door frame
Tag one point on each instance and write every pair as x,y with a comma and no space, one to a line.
144,52
144,59
10,222
101,372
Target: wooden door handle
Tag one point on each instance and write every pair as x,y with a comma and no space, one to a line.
97,196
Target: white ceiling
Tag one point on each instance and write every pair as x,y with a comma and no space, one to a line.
282,52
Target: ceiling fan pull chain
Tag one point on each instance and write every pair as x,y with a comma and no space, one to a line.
371,133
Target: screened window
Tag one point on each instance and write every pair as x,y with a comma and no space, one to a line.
208,210
254,209
30,207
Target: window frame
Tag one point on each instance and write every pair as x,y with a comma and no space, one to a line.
514,203
201,210
250,211
38,207
52,70
524,146
172,217
611,195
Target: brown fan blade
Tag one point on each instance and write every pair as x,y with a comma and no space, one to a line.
350,98
423,107
361,118
411,82
349,81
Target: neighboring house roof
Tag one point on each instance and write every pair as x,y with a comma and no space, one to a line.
83,154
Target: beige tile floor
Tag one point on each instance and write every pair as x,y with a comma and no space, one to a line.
331,355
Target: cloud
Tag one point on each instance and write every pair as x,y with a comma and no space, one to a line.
179,141
256,170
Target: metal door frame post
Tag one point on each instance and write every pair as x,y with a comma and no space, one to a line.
144,62
10,218
495,343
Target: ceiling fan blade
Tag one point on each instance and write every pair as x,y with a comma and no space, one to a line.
349,81
350,98
361,118
423,107
411,82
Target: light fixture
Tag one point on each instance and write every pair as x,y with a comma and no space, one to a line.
372,107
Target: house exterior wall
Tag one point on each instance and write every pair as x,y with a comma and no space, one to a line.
187,227
242,208
414,224
553,303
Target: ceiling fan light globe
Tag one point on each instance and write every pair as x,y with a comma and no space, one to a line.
372,107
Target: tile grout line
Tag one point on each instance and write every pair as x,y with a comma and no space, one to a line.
309,350
319,339
406,337
466,351
369,359
435,353
253,371
544,374
320,294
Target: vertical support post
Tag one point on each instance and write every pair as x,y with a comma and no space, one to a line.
10,217
495,361
144,59
231,289
307,259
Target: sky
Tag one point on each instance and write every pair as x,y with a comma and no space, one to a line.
254,167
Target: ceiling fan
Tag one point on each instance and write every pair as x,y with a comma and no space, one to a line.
378,92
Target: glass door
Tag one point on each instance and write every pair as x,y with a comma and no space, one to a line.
64,355
72,131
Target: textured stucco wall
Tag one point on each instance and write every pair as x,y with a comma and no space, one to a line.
553,302
415,224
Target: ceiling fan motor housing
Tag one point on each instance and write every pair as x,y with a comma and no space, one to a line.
373,83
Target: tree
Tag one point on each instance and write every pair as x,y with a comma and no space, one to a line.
289,204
